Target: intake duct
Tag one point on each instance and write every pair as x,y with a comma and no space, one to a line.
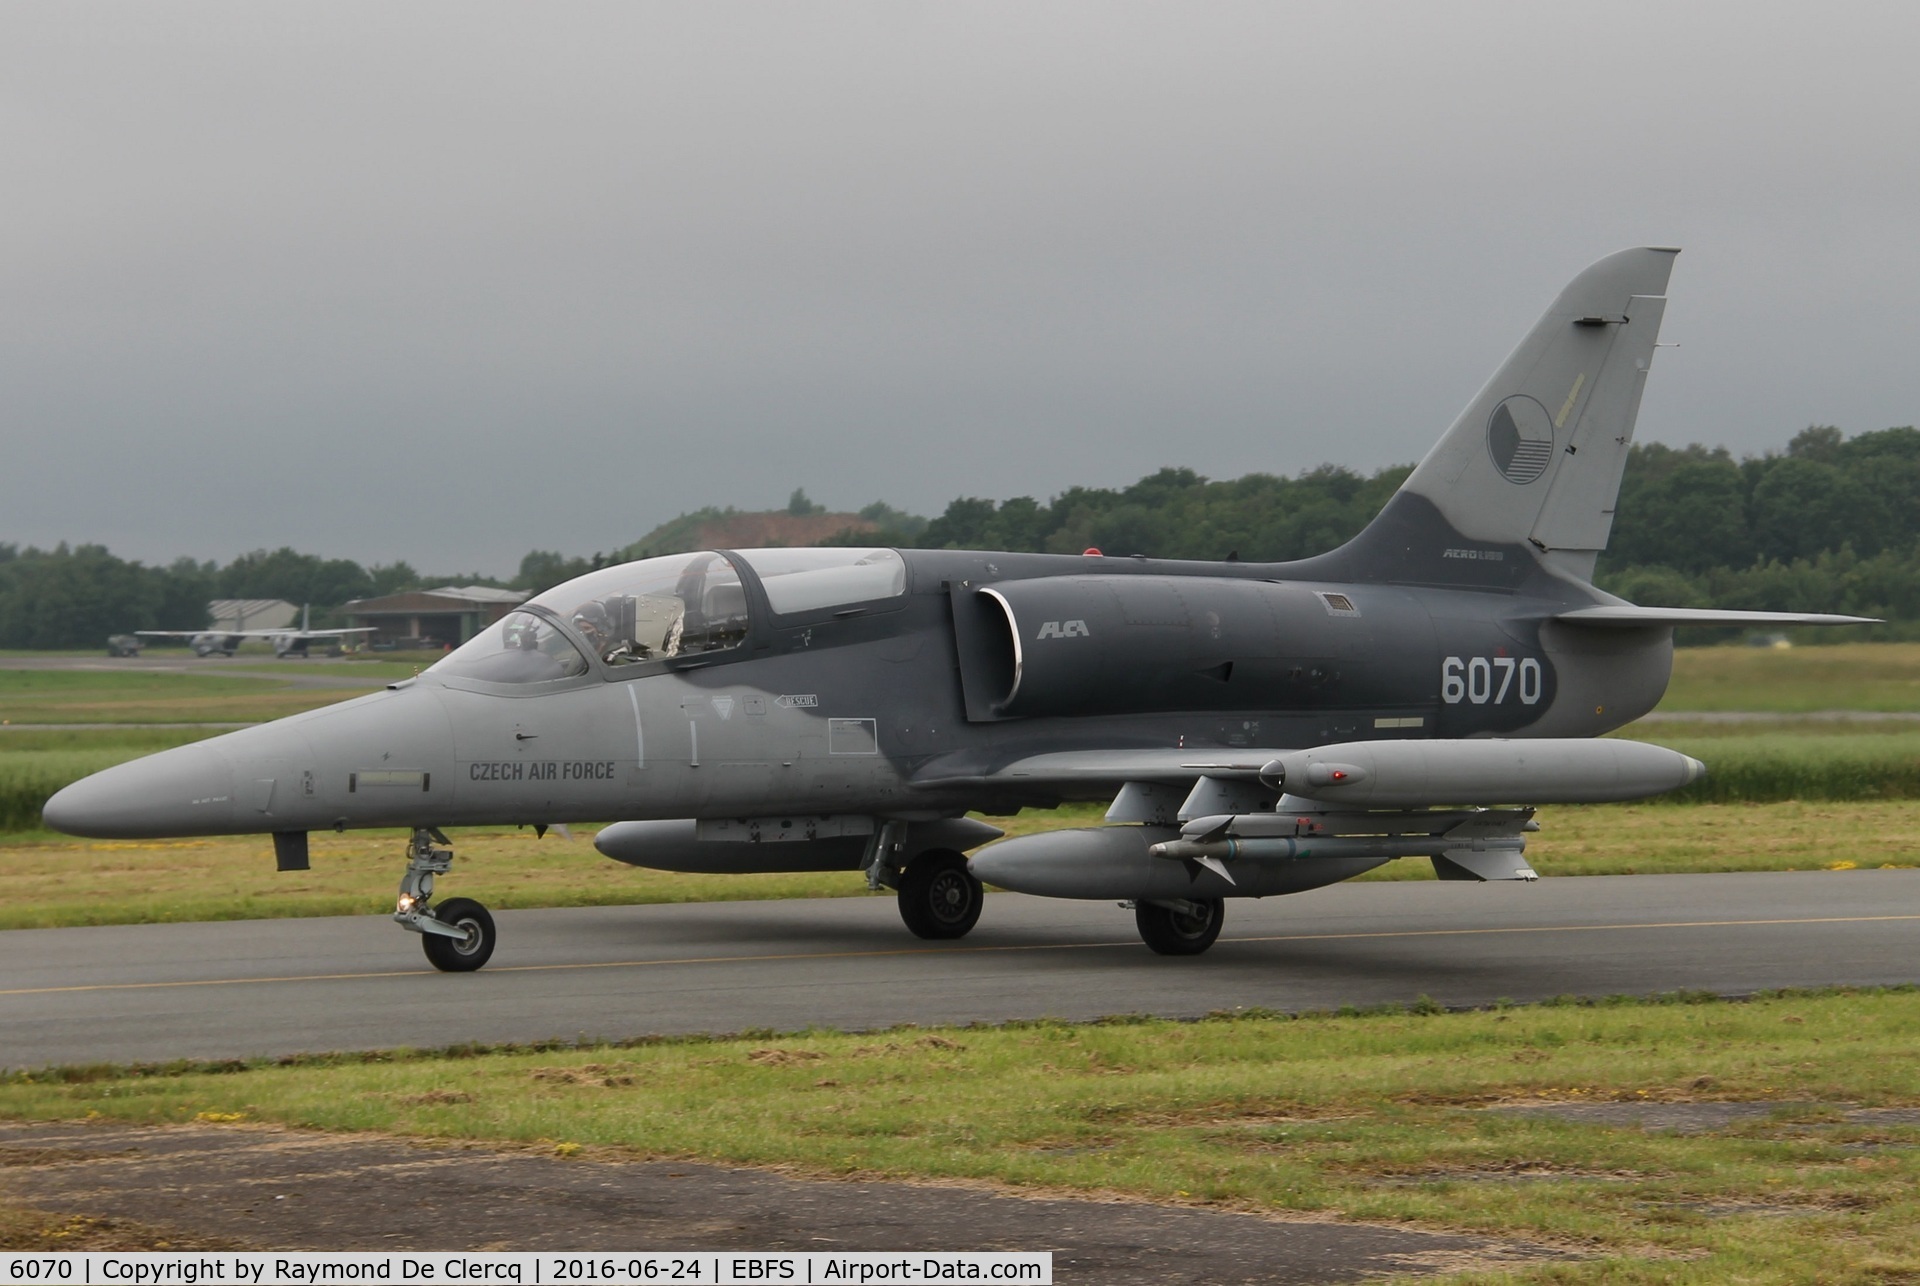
1136,644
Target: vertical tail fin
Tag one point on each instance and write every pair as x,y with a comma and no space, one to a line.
1533,464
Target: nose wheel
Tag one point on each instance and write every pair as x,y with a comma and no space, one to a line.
472,948
457,935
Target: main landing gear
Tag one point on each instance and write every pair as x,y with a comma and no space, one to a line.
458,934
939,897
1183,928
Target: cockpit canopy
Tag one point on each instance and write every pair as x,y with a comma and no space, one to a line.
657,609
518,648
680,605
809,580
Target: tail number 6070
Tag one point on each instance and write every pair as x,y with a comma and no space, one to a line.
1482,679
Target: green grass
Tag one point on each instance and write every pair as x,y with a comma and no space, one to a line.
34,763
52,881
1390,1116
49,881
154,696
374,669
1763,767
1847,676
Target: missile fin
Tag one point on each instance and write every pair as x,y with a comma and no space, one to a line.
1218,867
1208,830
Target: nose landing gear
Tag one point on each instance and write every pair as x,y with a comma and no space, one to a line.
457,935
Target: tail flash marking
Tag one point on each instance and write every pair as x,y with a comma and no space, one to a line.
1566,408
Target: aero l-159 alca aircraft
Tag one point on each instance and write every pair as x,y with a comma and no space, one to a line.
1258,728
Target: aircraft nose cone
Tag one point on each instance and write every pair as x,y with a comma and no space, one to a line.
185,791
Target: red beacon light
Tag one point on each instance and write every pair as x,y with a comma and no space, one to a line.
1090,553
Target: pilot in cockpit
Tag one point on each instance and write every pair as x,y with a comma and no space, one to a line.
602,627
595,627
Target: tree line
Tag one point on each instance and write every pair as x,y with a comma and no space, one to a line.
1829,524
75,596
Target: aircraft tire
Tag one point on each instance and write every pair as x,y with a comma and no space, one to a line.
939,896
451,955
1169,933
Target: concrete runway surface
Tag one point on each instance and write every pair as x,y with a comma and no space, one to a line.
268,987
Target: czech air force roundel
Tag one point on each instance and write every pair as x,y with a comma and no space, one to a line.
1520,439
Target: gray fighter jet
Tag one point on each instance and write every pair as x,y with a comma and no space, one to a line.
1258,728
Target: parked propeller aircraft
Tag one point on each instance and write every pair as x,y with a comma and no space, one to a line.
1258,729
286,642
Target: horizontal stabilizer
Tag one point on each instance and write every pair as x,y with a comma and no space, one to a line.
1624,616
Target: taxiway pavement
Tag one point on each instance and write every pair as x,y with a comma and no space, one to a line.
144,993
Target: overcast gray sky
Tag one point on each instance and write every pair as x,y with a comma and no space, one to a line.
448,282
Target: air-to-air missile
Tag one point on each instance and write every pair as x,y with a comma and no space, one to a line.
1257,728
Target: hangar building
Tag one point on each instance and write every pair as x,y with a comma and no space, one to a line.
432,618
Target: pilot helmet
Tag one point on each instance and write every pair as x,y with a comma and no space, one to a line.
591,619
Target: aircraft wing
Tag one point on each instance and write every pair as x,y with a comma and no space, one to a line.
1624,616
1114,767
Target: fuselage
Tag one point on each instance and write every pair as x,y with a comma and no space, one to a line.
890,684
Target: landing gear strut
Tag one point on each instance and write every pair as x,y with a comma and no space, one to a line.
457,935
